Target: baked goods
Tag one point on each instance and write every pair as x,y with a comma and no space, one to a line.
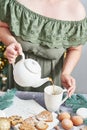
14,120
31,120
26,126
37,122
34,123
67,124
63,115
45,116
41,125
77,120
4,123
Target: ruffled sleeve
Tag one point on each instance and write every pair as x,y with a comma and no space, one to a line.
4,10
42,30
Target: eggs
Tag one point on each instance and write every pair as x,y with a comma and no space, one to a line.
77,120
67,121
67,124
64,118
64,115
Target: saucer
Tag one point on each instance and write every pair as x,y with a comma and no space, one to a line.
82,112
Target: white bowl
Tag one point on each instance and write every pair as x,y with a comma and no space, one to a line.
82,112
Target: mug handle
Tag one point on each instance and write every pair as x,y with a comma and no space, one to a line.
64,90
23,58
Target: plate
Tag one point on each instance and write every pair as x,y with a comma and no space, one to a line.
82,112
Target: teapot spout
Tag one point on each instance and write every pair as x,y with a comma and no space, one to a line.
41,82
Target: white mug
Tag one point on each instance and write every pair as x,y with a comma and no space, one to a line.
53,101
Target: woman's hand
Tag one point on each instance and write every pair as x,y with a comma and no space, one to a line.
2,24
13,47
70,61
12,51
69,83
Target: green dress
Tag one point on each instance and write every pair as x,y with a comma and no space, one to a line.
42,38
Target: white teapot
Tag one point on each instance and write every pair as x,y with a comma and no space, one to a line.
27,73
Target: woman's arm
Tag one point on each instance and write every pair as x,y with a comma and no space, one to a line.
73,53
2,24
72,57
6,36
13,47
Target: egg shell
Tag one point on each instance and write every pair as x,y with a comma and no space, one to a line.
67,124
77,120
64,115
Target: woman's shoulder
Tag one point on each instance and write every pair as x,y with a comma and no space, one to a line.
80,11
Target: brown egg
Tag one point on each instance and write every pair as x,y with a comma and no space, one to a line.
64,115
67,124
77,120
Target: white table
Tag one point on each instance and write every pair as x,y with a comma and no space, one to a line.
39,98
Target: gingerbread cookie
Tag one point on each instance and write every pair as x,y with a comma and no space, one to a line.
31,120
27,126
41,125
45,116
14,120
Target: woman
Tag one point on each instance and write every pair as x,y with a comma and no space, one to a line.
45,30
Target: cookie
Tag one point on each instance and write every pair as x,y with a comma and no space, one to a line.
31,120
27,126
4,123
41,125
14,120
45,116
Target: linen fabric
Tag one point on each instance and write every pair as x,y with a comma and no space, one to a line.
42,38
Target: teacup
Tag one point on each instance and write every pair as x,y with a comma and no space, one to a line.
53,100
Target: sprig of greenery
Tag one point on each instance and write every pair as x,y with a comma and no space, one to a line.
76,101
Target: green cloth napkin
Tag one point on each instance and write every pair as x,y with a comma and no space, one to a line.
7,99
76,101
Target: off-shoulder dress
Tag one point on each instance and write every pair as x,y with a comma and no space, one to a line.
42,38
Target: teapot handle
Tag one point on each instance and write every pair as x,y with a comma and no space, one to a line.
23,58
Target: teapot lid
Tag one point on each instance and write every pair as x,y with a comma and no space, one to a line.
32,65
